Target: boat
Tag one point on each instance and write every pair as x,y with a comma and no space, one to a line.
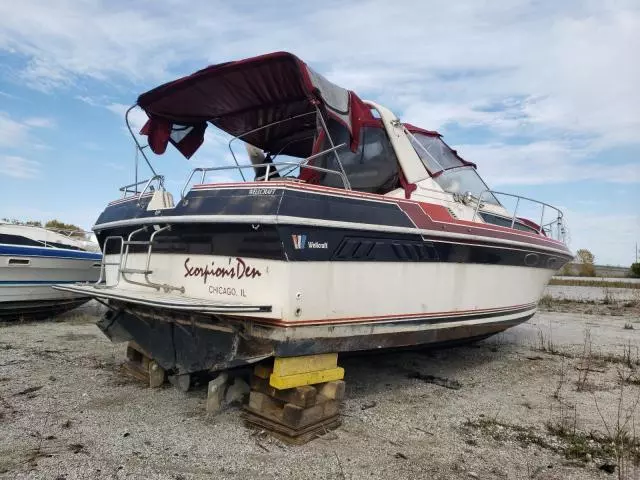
344,229
32,259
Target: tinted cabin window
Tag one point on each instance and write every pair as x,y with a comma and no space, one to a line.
20,240
373,167
506,222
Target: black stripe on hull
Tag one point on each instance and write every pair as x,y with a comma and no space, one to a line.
278,242
278,201
191,343
411,321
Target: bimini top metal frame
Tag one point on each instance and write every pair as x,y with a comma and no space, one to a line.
133,188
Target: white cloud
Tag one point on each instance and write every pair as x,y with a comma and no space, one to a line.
137,117
544,162
17,133
7,95
114,166
39,122
12,132
18,167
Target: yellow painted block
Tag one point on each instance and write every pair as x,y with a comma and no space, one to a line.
308,378
261,370
285,366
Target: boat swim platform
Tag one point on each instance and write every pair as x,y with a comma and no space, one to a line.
163,300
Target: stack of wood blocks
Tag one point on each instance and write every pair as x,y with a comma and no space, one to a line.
140,365
297,398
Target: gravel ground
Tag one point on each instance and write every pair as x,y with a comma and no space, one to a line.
66,411
598,279
591,294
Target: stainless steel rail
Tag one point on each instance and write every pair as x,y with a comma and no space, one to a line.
124,270
302,164
147,184
558,222
319,116
139,147
134,190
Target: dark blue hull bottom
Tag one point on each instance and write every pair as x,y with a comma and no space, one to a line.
37,310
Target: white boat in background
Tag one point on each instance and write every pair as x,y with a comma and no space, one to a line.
34,258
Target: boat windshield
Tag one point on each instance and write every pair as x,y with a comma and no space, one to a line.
452,173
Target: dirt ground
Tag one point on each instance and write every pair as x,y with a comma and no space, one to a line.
540,401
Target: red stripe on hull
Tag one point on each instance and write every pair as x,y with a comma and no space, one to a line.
425,216
380,318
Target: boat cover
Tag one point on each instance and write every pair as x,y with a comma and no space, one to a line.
241,96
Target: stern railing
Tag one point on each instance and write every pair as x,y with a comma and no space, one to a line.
269,167
132,189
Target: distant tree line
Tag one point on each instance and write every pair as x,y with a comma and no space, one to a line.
586,266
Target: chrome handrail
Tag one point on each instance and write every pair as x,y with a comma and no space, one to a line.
135,140
146,183
159,178
125,188
541,227
301,164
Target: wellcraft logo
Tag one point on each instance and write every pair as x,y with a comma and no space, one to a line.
300,243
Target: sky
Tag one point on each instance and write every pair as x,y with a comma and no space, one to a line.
543,96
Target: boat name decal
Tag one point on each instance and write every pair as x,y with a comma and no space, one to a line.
262,191
237,268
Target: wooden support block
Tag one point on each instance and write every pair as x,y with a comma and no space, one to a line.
288,414
308,378
257,400
259,384
134,346
333,390
298,417
215,393
304,396
262,370
156,374
265,406
134,369
133,355
261,403
285,366
292,436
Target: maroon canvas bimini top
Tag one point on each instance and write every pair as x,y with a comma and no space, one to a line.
241,96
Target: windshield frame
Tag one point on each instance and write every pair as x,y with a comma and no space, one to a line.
487,196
